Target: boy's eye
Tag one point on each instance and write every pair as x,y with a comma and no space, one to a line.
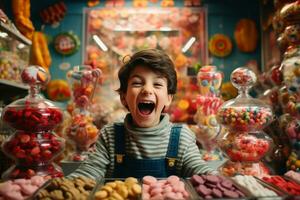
136,83
158,84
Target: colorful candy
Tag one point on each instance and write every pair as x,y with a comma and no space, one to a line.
245,118
209,81
243,77
83,132
236,168
83,80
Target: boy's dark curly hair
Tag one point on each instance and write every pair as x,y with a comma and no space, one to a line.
156,60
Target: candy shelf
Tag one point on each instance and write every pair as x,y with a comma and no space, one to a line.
13,84
14,57
13,32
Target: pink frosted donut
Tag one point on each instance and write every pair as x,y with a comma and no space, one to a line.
149,180
173,179
155,191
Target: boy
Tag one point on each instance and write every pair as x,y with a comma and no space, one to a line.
147,143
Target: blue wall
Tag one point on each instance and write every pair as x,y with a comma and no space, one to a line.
222,17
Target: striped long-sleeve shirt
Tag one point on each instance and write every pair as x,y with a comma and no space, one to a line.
144,143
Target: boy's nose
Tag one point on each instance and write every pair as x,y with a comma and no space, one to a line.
147,89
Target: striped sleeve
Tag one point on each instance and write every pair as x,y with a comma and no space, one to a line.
95,166
191,160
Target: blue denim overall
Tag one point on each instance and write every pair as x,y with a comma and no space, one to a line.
126,166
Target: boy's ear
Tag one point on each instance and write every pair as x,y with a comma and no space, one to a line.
123,100
170,98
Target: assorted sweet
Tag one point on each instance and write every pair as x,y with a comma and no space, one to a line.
291,69
209,81
82,131
63,188
245,118
292,34
290,13
10,65
121,190
244,143
208,103
83,81
242,77
245,147
20,189
255,188
290,187
169,188
212,186
236,168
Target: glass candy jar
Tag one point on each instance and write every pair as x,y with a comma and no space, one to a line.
244,143
33,146
208,103
82,131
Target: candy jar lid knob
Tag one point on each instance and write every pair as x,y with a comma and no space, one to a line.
35,76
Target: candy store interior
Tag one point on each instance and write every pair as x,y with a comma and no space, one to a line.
230,130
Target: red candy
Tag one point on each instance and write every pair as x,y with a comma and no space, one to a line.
30,149
245,147
290,187
32,119
20,171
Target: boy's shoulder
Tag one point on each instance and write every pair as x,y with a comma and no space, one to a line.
185,130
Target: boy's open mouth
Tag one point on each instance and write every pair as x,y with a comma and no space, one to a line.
146,108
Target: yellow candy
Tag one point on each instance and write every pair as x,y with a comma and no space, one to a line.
183,104
297,163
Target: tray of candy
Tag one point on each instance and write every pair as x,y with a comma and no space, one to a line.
257,188
66,188
216,187
148,186
117,188
171,187
283,184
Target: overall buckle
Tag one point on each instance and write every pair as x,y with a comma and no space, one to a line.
171,162
119,158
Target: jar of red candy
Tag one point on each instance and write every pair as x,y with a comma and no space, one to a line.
82,131
244,143
34,145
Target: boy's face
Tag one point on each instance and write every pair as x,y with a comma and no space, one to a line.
146,96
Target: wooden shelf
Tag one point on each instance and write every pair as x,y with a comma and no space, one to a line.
13,84
13,32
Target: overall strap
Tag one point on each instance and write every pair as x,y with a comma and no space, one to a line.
171,157
119,144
